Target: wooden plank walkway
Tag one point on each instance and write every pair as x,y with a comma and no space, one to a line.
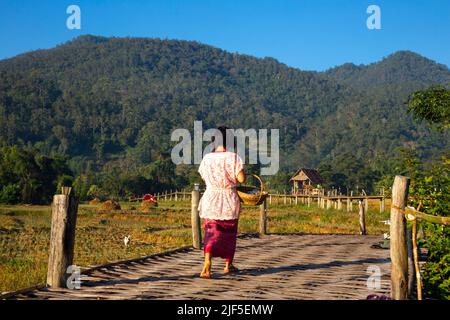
272,267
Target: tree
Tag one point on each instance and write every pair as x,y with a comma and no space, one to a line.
432,105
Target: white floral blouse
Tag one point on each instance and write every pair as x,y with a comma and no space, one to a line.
220,200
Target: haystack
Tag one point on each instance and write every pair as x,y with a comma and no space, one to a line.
110,205
94,201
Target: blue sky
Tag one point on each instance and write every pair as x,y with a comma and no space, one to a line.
307,34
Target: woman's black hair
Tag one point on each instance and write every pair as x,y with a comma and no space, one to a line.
223,131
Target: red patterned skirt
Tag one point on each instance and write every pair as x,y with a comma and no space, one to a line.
220,238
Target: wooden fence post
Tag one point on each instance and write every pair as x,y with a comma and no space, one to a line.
62,238
263,218
382,204
362,218
366,204
195,219
398,242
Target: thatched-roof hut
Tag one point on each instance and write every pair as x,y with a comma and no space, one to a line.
306,178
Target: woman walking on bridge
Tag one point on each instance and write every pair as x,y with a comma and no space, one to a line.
220,205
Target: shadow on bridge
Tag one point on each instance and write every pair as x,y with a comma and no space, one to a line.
242,272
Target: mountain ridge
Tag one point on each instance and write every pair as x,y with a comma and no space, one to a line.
113,102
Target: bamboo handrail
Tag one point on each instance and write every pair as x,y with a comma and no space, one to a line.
426,217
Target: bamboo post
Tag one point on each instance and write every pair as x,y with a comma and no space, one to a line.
398,247
382,204
366,204
195,219
362,219
339,204
263,218
270,198
416,260
62,238
411,273
309,201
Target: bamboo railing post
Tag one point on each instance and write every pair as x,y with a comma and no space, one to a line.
263,218
416,260
366,204
195,219
398,243
411,273
362,218
382,204
62,238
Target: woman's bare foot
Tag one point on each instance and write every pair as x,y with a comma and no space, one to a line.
206,272
230,268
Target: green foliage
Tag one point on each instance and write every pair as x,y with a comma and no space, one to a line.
436,272
279,182
10,194
27,176
431,188
432,105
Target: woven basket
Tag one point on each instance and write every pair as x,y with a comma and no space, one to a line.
248,195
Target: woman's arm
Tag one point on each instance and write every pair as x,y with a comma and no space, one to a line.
241,176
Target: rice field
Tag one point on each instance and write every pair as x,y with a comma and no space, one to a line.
25,233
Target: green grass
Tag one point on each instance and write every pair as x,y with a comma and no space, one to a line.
25,232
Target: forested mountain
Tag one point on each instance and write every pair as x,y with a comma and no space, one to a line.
110,104
400,68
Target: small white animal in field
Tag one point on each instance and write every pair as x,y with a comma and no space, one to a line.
388,222
127,240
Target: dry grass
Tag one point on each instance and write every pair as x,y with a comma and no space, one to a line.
25,232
